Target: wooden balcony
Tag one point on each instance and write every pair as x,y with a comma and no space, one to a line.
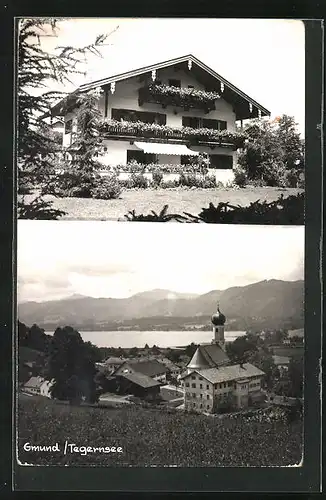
164,133
185,98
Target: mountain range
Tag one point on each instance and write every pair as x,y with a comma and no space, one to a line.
265,304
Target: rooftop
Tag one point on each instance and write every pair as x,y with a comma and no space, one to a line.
34,382
200,71
150,368
140,379
210,355
226,373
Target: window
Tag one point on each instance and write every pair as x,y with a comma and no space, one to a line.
193,394
193,377
193,386
230,384
200,378
191,121
131,115
207,386
201,405
187,384
208,407
68,127
215,386
195,122
191,87
140,157
200,386
209,123
174,83
207,397
201,396
194,405
221,161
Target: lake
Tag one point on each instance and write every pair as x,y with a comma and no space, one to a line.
126,339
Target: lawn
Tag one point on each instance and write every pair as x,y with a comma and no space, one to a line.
152,437
145,200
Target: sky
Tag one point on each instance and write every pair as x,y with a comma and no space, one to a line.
116,259
265,58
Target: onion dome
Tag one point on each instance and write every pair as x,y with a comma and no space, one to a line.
218,318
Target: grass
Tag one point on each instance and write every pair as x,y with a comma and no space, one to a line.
153,437
178,200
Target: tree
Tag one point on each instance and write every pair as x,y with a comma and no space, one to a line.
79,175
273,153
191,349
71,364
240,350
36,147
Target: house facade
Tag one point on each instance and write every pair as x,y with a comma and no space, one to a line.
153,369
38,386
211,382
236,385
168,113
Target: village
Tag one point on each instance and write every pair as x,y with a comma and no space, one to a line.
198,379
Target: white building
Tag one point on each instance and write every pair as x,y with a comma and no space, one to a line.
168,113
211,381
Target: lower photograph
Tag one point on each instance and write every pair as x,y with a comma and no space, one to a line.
159,345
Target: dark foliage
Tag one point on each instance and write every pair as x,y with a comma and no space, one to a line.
71,363
163,216
38,209
283,211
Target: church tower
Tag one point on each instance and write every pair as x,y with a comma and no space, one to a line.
218,320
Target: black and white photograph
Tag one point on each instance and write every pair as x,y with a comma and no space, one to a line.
117,121
160,345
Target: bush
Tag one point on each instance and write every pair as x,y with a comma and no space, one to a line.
295,178
170,184
139,181
240,177
274,173
126,183
71,183
157,176
107,188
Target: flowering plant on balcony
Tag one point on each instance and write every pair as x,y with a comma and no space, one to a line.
184,97
153,130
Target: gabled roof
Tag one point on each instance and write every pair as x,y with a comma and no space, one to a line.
149,368
112,360
208,355
228,373
34,382
140,379
201,71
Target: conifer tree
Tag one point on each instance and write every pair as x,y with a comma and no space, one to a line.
36,147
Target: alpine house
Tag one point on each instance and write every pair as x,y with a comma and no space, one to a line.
168,113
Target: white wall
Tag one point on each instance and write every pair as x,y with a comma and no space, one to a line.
126,97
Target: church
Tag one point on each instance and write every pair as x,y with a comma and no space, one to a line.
212,382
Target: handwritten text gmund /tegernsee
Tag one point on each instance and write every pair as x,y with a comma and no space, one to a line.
72,448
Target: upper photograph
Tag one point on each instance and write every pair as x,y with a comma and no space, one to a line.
159,120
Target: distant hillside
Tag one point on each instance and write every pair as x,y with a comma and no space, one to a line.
266,304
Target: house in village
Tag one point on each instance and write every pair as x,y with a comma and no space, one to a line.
38,386
153,369
211,381
167,113
138,385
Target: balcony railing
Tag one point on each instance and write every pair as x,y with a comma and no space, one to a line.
181,97
165,132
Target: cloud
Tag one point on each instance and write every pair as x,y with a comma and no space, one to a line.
119,259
